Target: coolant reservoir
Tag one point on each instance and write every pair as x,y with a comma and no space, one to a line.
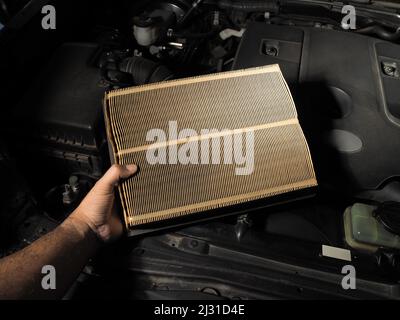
364,232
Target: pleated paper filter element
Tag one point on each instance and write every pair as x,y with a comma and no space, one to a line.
186,172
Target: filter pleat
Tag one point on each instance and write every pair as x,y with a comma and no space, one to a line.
251,101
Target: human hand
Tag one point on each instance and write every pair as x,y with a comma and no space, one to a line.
97,210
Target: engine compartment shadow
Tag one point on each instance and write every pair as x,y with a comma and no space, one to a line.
319,107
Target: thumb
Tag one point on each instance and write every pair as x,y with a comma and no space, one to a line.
115,174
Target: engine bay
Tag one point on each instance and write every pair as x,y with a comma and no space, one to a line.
345,85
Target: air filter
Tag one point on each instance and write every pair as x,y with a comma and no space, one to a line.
205,143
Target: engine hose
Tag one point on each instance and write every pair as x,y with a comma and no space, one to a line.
188,35
145,71
380,32
249,6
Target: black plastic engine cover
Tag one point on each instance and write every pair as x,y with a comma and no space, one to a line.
58,120
347,98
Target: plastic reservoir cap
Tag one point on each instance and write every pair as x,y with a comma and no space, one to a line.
389,215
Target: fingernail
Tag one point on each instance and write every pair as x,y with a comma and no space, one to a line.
131,167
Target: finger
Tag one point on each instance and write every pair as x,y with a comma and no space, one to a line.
115,174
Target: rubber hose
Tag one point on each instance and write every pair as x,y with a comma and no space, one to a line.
380,32
188,35
145,71
249,6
